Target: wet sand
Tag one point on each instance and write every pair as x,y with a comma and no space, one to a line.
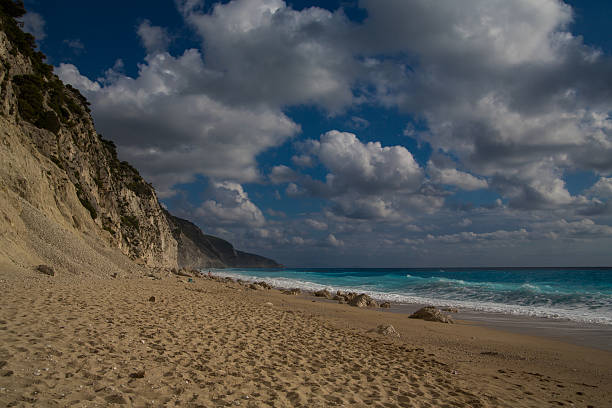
74,341
597,336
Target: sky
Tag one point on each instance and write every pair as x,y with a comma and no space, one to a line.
396,133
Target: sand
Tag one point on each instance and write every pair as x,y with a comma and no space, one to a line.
85,342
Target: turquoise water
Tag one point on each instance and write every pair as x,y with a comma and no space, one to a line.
583,294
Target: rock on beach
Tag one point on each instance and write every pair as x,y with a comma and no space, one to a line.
431,314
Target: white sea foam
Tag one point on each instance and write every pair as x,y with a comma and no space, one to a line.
575,314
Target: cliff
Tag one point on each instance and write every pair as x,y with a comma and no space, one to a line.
196,249
57,171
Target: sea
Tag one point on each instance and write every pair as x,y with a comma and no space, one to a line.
571,294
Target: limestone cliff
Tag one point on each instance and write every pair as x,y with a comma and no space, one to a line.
196,249
55,165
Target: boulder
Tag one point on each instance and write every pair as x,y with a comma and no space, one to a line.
450,310
46,269
362,300
431,314
294,291
264,285
256,286
385,305
324,293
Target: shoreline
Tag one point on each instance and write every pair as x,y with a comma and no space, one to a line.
177,340
595,335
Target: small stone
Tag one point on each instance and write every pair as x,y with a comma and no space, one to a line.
268,304
46,269
152,299
138,374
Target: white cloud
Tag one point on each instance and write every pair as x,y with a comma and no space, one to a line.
167,125
281,174
71,75
466,222
266,49
602,188
231,206
333,241
34,24
302,160
365,167
318,225
154,39
454,177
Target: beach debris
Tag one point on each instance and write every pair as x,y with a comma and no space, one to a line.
190,280
431,314
385,305
294,291
138,374
450,310
363,300
324,293
46,269
152,299
386,330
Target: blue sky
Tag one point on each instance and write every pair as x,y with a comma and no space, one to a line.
345,133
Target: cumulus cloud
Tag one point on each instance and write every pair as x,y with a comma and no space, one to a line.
318,225
231,206
507,98
154,39
454,177
333,241
367,168
266,49
502,85
281,174
602,188
166,123
34,24
70,74
367,180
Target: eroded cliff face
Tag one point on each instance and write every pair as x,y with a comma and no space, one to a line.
56,166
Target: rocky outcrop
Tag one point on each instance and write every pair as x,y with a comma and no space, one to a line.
324,293
57,168
363,300
431,314
198,250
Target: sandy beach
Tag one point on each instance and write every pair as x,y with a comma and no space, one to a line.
84,342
